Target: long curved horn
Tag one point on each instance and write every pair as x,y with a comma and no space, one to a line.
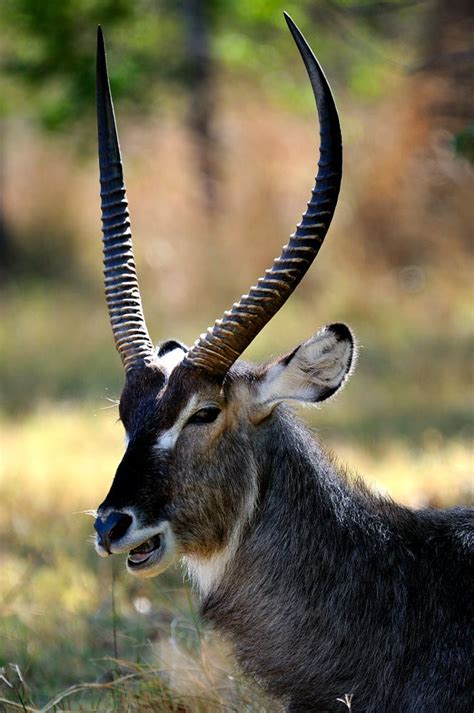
217,350
121,284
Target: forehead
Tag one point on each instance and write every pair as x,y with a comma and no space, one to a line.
153,399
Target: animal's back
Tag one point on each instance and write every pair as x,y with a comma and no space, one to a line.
426,666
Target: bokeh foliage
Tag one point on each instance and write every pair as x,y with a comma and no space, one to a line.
47,55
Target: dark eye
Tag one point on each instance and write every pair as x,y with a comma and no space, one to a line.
205,415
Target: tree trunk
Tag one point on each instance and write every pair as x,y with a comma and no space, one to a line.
197,15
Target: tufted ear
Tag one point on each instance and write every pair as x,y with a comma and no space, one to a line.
312,372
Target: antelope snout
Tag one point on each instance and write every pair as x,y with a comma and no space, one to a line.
112,528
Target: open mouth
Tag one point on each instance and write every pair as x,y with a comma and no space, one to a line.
141,554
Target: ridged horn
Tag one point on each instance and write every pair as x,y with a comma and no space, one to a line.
217,349
121,284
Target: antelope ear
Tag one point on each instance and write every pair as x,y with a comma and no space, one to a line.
312,372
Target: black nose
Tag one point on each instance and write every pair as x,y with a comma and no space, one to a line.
113,528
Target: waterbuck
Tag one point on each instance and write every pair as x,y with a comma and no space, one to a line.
324,588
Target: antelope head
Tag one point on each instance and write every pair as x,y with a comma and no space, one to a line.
196,419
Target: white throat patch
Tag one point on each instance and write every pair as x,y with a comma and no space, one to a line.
207,572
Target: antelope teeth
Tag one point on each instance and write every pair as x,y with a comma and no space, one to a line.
144,551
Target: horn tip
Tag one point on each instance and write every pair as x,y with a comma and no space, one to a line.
100,48
101,64
294,29
304,48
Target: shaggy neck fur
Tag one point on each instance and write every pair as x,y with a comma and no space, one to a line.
333,591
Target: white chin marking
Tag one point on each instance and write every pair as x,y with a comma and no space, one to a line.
100,550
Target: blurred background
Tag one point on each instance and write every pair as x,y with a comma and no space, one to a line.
219,138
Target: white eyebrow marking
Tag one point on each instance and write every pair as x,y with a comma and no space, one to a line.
167,439
171,359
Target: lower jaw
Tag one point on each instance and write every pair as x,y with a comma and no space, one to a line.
157,562
132,565
139,559
148,568
159,559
